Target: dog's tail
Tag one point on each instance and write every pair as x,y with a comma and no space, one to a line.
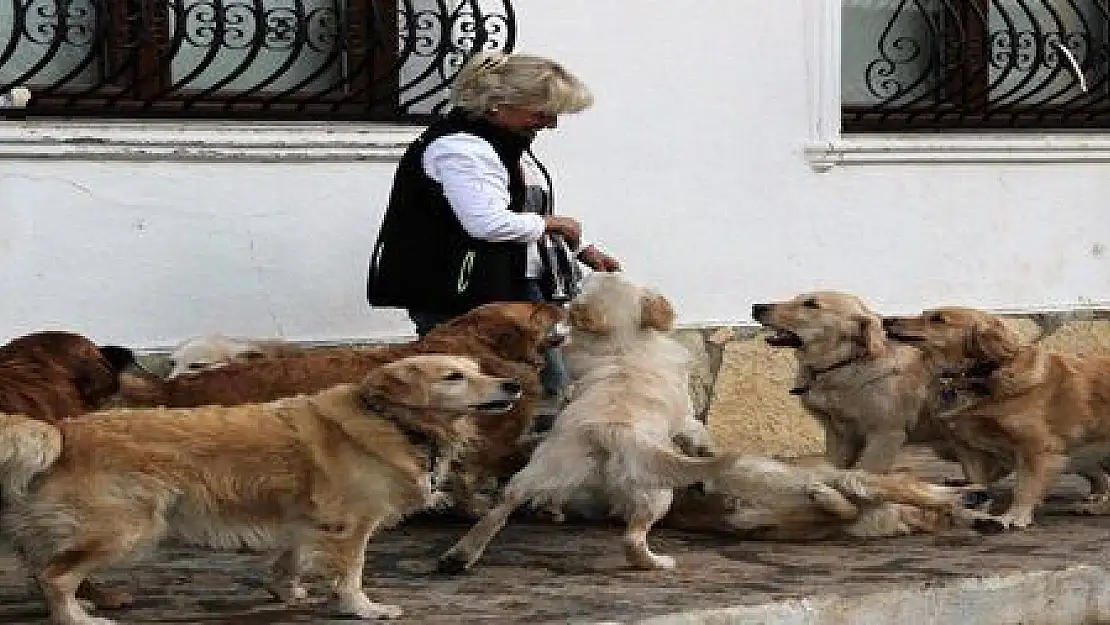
28,447
648,464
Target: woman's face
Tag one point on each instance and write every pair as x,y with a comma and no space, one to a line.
523,120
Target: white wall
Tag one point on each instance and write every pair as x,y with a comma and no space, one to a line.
690,168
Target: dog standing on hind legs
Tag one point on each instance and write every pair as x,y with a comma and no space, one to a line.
630,400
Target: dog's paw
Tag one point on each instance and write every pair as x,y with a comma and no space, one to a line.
852,487
658,562
1002,523
360,606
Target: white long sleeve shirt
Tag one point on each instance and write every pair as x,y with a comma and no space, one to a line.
476,185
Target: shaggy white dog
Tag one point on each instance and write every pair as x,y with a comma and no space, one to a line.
630,400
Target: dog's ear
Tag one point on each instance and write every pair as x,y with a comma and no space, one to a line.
870,335
656,313
95,381
394,383
518,344
992,342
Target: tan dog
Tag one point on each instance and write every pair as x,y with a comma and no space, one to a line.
506,338
765,499
871,394
54,375
1040,408
630,397
310,478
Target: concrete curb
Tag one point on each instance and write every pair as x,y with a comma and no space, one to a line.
1074,596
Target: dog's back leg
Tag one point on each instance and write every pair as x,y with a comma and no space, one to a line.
647,507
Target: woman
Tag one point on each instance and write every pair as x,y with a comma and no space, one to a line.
470,217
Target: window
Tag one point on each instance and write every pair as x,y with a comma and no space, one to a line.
373,60
975,64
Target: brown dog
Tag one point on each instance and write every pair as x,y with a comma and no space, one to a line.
53,376
58,375
1041,408
310,478
505,338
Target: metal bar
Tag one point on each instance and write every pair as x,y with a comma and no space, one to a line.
966,64
246,59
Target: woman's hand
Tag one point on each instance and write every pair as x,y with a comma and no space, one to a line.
568,227
597,260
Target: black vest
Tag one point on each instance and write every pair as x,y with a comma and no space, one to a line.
423,259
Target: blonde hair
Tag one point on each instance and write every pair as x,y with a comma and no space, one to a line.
490,79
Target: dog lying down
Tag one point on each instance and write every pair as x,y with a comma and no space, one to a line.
765,499
309,478
213,351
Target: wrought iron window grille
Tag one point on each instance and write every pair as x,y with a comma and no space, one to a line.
978,64
319,60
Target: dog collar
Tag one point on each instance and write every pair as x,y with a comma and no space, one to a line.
415,436
802,390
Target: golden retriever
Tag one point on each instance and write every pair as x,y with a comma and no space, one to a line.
506,338
630,397
766,499
309,478
1041,409
870,394
55,375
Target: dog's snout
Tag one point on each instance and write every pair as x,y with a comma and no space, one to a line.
760,310
512,387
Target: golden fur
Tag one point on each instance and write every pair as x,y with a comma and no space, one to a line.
55,375
505,338
309,478
869,393
765,499
1041,409
629,399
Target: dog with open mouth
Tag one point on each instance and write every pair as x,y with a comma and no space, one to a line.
1047,412
309,478
871,394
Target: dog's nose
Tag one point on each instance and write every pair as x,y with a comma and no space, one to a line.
512,387
759,310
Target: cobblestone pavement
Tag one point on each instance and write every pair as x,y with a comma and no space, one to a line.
543,573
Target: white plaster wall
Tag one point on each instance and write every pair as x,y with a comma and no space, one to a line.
150,253
690,168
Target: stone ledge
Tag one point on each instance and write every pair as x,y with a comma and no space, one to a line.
1074,596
